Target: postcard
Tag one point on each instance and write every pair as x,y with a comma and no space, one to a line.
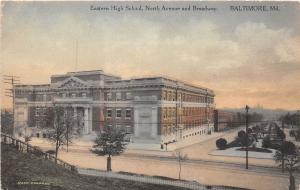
150,95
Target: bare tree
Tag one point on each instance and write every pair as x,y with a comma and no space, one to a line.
70,120
58,135
110,142
180,157
61,121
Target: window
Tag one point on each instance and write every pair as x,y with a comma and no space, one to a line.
44,111
118,113
83,94
165,129
173,96
109,96
165,95
128,113
169,96
73,95
118,96
128,96
44,97
165,112
128,129
108,113
37,111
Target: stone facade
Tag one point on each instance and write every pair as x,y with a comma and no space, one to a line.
152,109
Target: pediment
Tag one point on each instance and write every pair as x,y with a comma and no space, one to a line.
73,82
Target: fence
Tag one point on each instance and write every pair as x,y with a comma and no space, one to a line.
25,147
159,180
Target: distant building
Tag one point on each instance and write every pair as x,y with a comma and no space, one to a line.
222,119
152,109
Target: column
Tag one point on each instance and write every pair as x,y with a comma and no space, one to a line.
86,120
75,116
101,119
90,125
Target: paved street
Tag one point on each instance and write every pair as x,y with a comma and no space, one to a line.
201,166
203,149
203,172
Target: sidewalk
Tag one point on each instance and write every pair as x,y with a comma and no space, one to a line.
201,149
144,179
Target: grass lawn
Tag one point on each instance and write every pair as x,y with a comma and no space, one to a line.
26,171
255,149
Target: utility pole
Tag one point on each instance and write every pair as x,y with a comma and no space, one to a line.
10,92
247,109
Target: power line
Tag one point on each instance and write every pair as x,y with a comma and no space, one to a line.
12,80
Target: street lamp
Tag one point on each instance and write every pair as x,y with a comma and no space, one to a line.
247,109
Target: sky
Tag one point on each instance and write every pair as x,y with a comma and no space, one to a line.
246,57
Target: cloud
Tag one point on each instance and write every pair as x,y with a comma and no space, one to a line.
255,61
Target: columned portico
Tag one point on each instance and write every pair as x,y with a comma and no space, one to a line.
83,117
87,128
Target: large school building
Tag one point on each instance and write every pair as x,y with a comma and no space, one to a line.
151,109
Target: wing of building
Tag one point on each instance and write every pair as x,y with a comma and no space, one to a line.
154,109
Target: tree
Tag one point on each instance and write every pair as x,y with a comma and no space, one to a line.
266,143
286,148
70,120
111,141
180,157
242,138
280,134
221,144
242,134
58,135
61,122
7,121
291,160
255,117
250,130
